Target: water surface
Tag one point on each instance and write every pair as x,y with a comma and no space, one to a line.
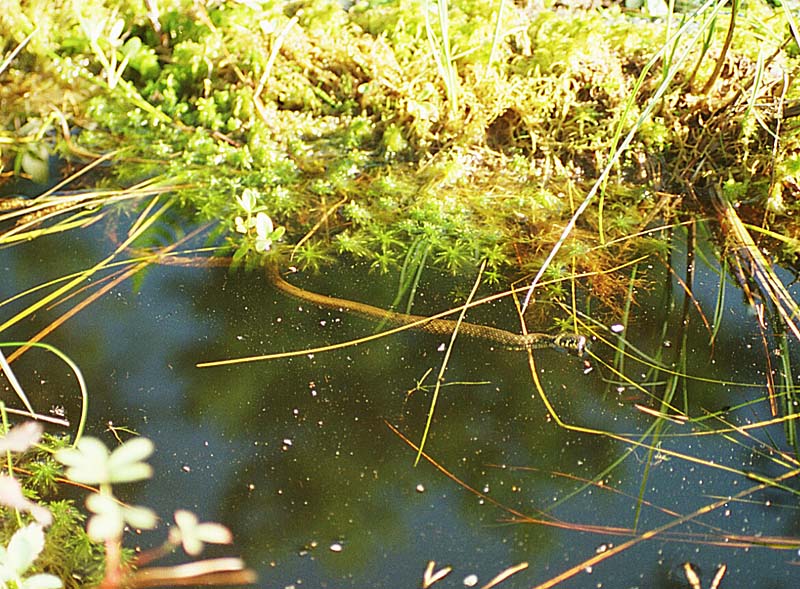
301,459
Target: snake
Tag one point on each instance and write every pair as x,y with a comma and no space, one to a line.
573,343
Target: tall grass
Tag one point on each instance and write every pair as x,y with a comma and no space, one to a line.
440,49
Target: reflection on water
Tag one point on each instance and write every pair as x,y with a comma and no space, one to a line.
298,457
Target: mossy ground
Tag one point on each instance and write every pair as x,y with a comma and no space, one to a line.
399,134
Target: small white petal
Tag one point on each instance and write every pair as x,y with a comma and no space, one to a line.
125,464
12,496
263,245
140,517
88,450
23,548
133,450
105,527
98,503
264,226
128,473
185,519
214,533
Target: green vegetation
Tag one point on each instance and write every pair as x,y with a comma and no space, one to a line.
415,132
549,142
68,555
71,556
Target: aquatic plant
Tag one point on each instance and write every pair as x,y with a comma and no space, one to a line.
65,552
16,559
565,145
71,555
470,127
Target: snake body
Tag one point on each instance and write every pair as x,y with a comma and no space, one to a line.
565,341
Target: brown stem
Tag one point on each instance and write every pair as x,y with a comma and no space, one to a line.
721,59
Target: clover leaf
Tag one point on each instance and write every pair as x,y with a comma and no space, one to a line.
24,547
90,462
192,534
111,516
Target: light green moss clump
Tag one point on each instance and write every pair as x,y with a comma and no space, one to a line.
471,132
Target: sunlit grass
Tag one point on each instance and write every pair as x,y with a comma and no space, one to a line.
435,150
432,129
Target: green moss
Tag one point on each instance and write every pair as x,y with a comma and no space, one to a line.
313,105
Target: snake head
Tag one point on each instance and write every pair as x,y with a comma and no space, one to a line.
574,343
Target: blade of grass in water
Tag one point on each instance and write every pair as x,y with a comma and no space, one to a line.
440,376
758,266
790,396
76,371
619,353
719,304
411,273
12,380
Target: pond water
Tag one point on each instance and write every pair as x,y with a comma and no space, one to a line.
303,457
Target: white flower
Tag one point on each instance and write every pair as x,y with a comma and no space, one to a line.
248,200
241,225
264,230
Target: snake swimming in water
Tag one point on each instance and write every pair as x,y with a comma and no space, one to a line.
565,341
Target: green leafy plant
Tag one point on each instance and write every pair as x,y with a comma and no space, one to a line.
112,50
18,440
90,462
255,225
18,557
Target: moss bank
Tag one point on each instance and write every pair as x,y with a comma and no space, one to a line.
408,133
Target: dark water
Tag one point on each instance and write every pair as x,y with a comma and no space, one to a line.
298,458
